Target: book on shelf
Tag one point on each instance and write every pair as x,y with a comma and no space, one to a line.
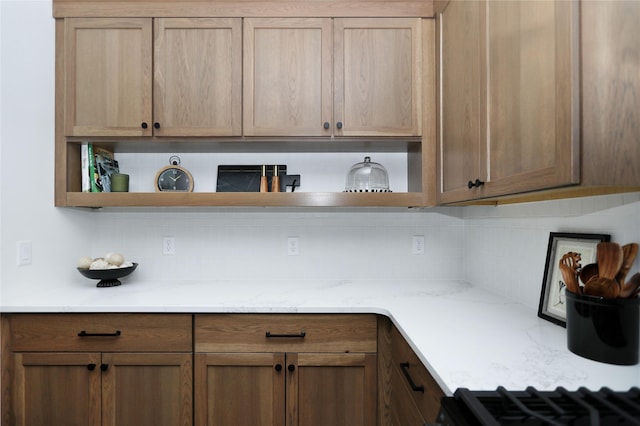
98,164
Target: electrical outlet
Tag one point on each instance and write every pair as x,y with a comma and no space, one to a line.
293,246
418,244
169,246
23,251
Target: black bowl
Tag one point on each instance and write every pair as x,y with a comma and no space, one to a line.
108,277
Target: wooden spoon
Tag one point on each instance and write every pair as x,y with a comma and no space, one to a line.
602,287
588,271
629,253
632,287
610,258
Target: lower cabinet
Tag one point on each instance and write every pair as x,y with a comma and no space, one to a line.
92,370
294,370
211,369
408,394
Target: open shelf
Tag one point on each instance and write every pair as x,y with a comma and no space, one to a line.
236,199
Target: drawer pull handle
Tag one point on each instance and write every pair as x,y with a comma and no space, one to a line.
83,333
405,369
292,335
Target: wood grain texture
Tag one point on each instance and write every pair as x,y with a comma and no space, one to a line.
198,76
240,389
427,402
147,389
334,389
287,76
246,333
108,76
56,388
459,111
139,332
377,76
610,93
250,8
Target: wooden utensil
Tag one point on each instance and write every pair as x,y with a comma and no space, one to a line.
569,264
632,287
629,253
610,258
588,271
602,287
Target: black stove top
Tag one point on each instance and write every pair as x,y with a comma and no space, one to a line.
532,407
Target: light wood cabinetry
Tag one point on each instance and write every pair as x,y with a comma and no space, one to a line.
195,77
97,369
512,88
299,75
332,77
287,76
107,74
285,369
408,395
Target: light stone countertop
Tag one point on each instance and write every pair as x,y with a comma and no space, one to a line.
466,336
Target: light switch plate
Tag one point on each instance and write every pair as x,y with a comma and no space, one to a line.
23,249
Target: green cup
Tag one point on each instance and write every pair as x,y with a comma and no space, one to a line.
119,182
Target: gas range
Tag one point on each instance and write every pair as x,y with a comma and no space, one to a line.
532,407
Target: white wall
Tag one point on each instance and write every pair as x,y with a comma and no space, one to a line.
501,248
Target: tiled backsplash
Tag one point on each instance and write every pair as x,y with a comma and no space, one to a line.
506,246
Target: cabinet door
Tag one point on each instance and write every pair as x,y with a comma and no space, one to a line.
459,120
108,76
240,389
57,389
377,83
532,96
197,77
151,389
287,77
331,389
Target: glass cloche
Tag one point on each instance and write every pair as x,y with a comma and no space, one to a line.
367,176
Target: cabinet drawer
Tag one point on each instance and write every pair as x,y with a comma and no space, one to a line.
406,361
102,332
285,333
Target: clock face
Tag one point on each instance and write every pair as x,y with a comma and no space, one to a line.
174,179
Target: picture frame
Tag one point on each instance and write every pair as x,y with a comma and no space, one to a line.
552,296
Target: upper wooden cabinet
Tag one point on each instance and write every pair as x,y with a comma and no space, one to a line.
377,77
324,77
195,79
522,91
287,76
107,66
508,93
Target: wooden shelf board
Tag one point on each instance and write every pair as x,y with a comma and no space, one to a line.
235,199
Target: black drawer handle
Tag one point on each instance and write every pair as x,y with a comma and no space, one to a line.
405,369
292,335
83,333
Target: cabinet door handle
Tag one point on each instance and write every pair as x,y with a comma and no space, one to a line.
291,368
326,125
278,367
477,183
83,333
104,367
91,367
405,369
292,335
156,125
144,125
339,125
